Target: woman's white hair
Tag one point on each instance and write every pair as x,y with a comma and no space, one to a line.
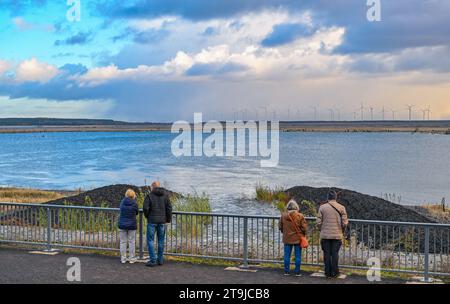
292,205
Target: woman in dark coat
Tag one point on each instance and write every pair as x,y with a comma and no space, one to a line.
127,226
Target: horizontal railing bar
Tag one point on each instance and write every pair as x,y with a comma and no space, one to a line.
439,225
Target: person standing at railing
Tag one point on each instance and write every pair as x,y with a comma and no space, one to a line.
293,226
332,221
127,226
158,211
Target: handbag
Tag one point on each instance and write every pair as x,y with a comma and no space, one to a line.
303,240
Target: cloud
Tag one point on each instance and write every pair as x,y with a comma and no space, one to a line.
150,36
411,59
79,38
22,25
193,10
4,66
73,69
210,31
286,33
16,8
153,23
214,69
35,71
405,23
100,75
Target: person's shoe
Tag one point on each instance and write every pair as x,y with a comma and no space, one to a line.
298,274
123,261
150,264
160,263
132,261
286,273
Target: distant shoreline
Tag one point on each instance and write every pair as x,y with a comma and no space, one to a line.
433,127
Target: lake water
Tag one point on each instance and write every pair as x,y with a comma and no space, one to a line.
413,166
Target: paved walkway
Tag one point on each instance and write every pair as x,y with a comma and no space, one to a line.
21,266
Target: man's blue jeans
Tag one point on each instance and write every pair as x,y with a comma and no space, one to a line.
287,257
160,231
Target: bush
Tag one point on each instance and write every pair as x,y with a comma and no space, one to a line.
192,203
267,194
192,225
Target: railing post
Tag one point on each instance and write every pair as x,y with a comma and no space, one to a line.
49,230
141,235
426,277
245,256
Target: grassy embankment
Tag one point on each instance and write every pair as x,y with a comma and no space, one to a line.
437,212
25,195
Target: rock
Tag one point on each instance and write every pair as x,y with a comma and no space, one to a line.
109,196
358,205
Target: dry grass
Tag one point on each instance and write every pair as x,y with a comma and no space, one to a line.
267,194
437,211
24,195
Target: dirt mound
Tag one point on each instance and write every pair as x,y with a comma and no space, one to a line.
109,196
358,205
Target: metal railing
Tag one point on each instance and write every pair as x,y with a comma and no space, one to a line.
418,248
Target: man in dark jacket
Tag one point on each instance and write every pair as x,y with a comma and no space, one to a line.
158,211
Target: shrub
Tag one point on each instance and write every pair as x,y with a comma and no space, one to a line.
192,225
267,194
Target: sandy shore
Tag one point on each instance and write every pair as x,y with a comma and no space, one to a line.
435,127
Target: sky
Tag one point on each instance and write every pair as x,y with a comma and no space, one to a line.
163,60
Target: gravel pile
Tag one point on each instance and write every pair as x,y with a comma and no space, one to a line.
111,196
358,205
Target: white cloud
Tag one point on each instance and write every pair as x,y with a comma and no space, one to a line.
4,66
155,23
306,56
23,25
34,70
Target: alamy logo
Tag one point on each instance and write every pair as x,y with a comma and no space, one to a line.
74,12
374,273
236,138
374,11
74,271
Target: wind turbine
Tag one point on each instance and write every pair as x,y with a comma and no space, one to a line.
362,111
338,111
409,107
371,112
429,111
424,113
331,114
393,114
315,112
298,113
383,113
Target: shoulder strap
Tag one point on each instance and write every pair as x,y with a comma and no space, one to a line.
340,214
